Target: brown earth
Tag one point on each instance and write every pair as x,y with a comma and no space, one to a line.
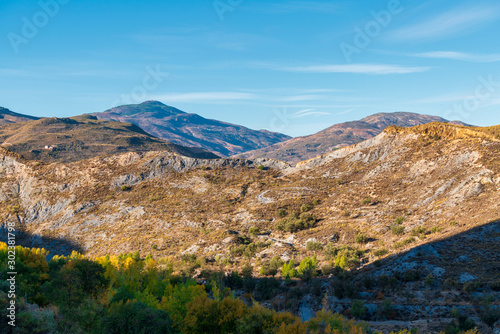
438,183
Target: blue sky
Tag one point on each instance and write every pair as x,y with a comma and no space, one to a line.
291,66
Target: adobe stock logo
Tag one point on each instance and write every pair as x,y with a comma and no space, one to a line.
371,30
150,81
30,27
485,90
221,7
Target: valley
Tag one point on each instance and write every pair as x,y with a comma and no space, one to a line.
404,218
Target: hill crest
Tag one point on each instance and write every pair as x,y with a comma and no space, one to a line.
176,126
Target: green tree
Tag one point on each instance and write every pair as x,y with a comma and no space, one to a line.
133,317
308,268
288,270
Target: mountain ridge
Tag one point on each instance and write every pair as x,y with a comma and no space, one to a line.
8,117
187,129
339,135
82,137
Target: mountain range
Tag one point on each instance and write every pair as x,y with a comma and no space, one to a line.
178,127
339,135
153,125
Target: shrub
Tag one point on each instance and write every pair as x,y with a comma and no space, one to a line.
293,223
380,252
155,197
308,268
411,275
358,309
404,242
314,246
326,269
430,280
344,256
361,239
14,209
271,268
472,286
253,231
461,323
261,167
233,280
368,282
399,220
330,251
326,322
417,231
281,213
267,288
317,201
367,201
125,188
200,262
246,270
288,269
344,287
249,250
453,223
306,207
347,257
490,315
397,229
436,229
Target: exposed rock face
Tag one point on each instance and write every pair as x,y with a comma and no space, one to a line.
397,169
339,135
178,127
442,180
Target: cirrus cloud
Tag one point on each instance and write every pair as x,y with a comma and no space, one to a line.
374,69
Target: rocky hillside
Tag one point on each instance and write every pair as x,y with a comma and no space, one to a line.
413,213
8,117
175,126
339,135
83,137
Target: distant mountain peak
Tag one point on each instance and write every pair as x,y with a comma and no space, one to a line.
340,135
188,129
154,103
152,108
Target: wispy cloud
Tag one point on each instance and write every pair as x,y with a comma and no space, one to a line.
205,97
475,58
294,98
448,23
326,7
374,69
345,111
309,112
